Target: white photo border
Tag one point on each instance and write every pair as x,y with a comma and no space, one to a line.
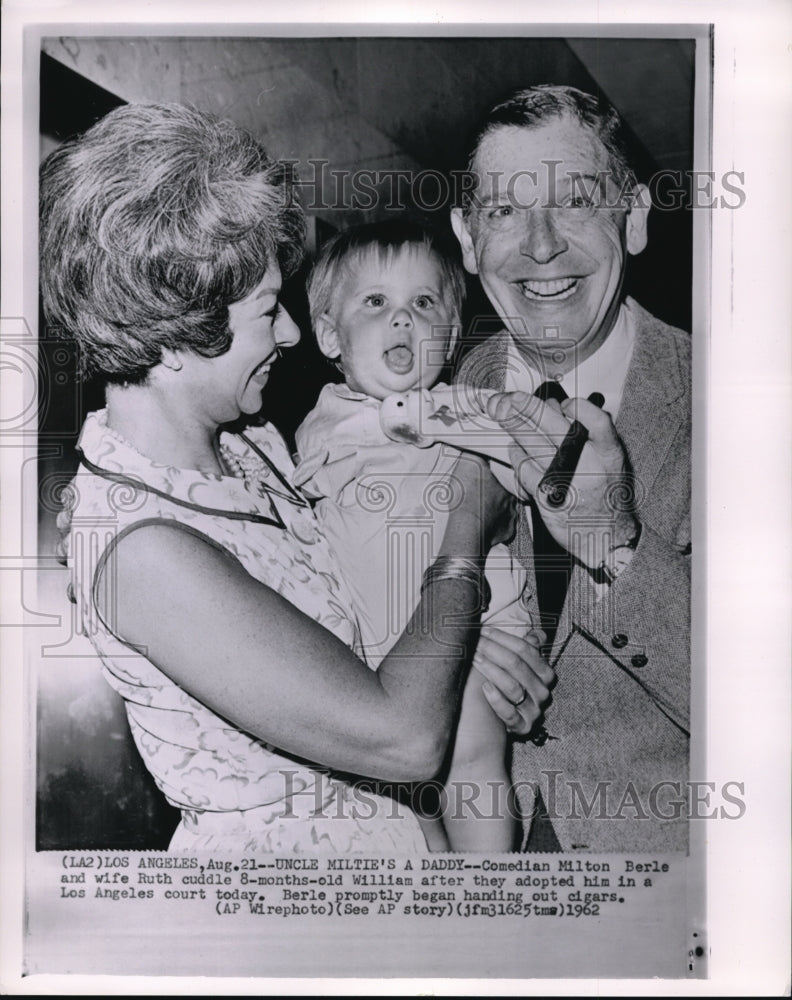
747,412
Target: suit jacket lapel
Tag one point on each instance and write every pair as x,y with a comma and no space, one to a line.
648,421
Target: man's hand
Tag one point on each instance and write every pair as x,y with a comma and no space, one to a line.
518,678
601,495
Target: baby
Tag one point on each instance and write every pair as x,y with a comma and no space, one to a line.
385,303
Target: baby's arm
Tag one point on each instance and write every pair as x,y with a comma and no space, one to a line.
455,415
479,812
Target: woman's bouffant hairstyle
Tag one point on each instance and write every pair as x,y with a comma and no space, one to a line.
151,224
536,106
384,239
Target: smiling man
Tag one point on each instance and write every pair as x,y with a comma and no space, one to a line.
552,216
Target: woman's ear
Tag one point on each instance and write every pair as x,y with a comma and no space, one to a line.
327,337
171,359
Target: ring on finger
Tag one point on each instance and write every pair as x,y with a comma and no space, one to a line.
522,699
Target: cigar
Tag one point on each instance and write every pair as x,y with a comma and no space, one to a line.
558,477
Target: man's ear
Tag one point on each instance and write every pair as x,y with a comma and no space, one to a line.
638,218
460,223
327,337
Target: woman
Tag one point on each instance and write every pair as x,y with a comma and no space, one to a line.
197,567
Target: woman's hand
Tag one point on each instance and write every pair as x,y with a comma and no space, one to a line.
483,501
518,678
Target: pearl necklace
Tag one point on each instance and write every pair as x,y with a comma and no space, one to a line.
249,468
238,466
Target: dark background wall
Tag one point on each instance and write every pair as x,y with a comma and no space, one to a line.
375,104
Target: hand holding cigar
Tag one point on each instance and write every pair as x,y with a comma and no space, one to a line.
556,481
451,415
590,454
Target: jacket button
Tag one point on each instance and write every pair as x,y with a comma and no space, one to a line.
639,660
620,640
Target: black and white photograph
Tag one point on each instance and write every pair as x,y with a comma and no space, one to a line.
361,485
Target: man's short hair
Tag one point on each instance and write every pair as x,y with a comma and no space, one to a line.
536,106
383,239
153,222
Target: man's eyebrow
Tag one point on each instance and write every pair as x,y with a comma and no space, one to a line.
575,176
493,198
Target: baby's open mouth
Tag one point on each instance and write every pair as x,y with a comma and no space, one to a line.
399,359
558,288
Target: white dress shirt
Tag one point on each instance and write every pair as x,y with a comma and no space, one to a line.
604,371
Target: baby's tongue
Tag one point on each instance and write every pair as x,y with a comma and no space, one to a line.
399,359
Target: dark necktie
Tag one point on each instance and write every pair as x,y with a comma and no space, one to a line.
552,565
552,561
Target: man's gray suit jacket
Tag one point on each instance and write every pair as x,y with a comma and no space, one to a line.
613,770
